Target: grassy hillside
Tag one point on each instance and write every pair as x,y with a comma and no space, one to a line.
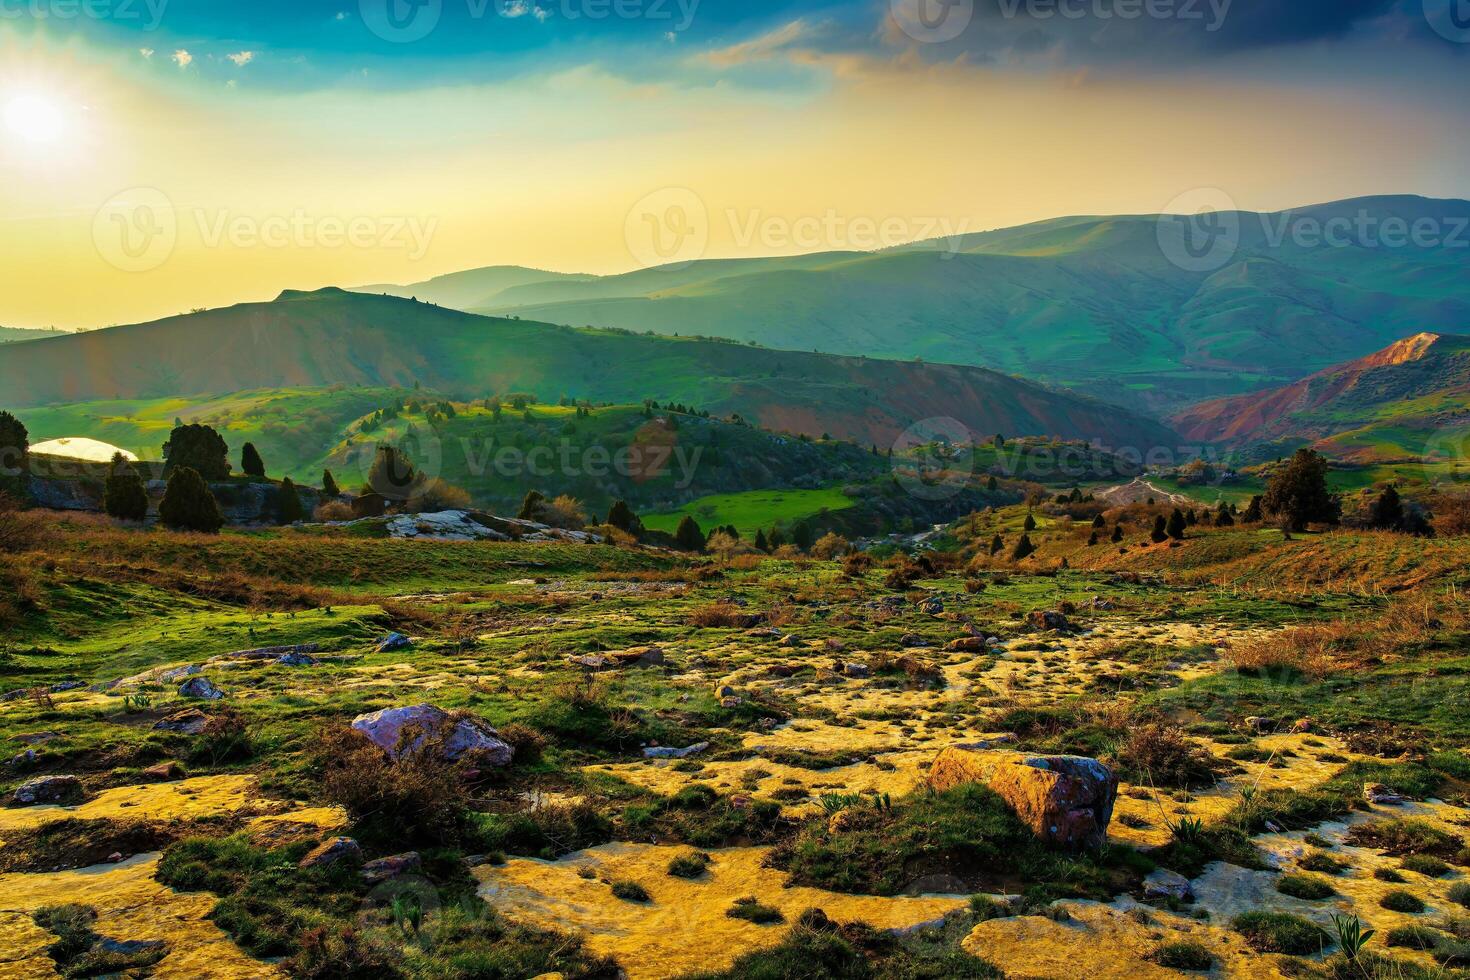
1090,302
1409,403
335,337
9,335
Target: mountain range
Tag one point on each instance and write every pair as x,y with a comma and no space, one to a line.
1098,304
1406,401
333,337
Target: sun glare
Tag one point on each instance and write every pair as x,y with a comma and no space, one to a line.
34,119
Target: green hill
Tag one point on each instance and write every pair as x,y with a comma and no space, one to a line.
10,335
1408,403
334,337
1088,302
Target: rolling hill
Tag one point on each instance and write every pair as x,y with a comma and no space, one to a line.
1410,400
1092,303
10,335
333,337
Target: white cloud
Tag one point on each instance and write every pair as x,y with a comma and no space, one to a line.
242,58
671,36
147,53
760,48
541,14
514,8
183,58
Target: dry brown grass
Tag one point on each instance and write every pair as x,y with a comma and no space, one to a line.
718,615
333,511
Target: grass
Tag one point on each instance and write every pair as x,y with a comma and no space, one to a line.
753,510
751,910
1183,955
1278,932
1307,887
1402,901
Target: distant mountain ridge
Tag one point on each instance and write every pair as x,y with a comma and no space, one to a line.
334,337
10,335
1090,302
1392,403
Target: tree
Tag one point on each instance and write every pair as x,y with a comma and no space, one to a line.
1297,495
124,496
329,485
803,536
992,484
15,457
1223,517
532,505
1177,523
1024,548
1098,522
1117,537
1252,513
1029,525
288,503
621,516
188,505
250,462
392,474
831,545
997,545
199,448
760,541
1387,512
776,539
1160,532
688,536
1092,539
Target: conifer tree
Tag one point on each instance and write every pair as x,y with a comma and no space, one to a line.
1177,524
250,462
1024,548
124,496
188,504
288,503
329,485
688,536
1161,532
997,544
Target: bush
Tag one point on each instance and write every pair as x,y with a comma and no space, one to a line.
751,910
1278,932
420,797
124,496
719,615
630,891
689,865
288,503
1166,756
1307,887
1425,864
15,465
830,546
1402,901
1399,838
1459,893
333,511
528,743
435,496
198,448
1183,956
188,504
19,531
1414,937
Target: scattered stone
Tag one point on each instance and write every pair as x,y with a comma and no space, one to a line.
856,670
781,670
1102,605
397,730
24,761
190,721
1261,726
1380,795
932,606
393,641
129,948
64,686
201,689
1164,883
179,673
967,644
1067,801
665,752
734,702
164,772
332,851
917,927
1047,619
50,789
790,641
381,870
268,653
619,659
114,857
723,691
914,640
35,738
989,744
297,659
1303,726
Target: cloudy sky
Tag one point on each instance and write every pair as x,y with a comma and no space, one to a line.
162,155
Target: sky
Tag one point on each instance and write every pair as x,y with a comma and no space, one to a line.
158,156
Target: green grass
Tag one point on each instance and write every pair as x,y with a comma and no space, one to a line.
752,511
1278,932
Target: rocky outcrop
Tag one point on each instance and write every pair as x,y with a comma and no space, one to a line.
190,721
201,688
402,730
331,852
468,525
1067,801
619,659
386,868
50,789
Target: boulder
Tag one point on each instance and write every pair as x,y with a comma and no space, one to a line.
393,641
396,730
179,673
332,851
379,871
967,644
913,640
23,761
297,659
1067,801
1047,619
1380,795
665,752
620,659
190,721
1164,883
164,772
723,691
201,689
1261,726
50,789
1303,726
856,670
933,606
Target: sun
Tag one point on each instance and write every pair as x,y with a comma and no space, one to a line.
34,118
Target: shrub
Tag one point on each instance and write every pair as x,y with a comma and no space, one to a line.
250,462
188,504
1425,864
688,536
19,531
751,910
1403,837
689,865
1414,937
1402,901
333,511
1323,864
1306,650
631,891
1168,757
288,503
199,448
546,832
1307,887
528,743
1278,932
831,545
1023,549
15,466
719,615
123,495
565,512
435,496
224,738
420,797
1459,893
1183,956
